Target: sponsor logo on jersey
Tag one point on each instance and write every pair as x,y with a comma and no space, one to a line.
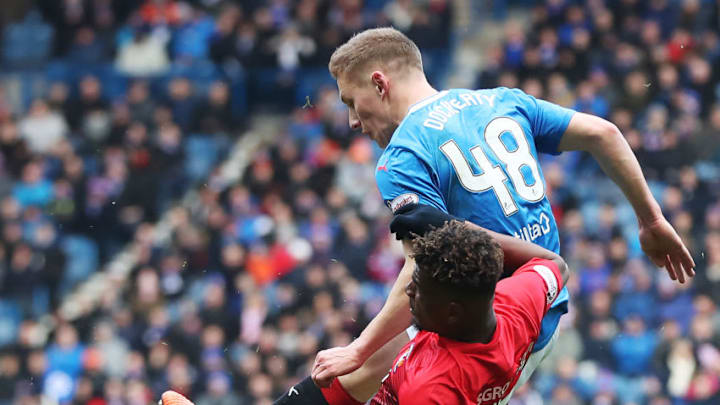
493,393
402,200
534,230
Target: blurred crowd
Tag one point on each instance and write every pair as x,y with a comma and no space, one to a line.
296,256
632,336
109,112
273,53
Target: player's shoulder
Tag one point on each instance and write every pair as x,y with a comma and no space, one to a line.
506,95
409,138
398,154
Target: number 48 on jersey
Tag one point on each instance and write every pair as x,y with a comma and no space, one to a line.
494,176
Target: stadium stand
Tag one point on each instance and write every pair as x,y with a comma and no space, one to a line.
223,251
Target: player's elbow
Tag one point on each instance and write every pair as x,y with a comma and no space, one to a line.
604,132
563,267
589,133
609,130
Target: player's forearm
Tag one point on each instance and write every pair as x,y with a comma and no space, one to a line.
618,161
517,252
608,146
420,219
394,317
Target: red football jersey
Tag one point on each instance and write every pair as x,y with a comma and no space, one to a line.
432,369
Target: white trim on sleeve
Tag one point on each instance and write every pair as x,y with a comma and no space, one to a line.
550,281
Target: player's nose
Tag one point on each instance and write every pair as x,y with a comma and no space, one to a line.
354,122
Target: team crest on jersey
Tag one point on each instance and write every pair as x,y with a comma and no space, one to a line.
403,357
402,200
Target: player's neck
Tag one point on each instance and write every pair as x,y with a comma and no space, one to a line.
413,92
482,327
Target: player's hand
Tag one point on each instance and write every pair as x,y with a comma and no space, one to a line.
173,398
417,219
335,362
665,248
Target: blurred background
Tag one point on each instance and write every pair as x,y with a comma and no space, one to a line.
182,205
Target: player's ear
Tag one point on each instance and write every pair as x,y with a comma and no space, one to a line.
380,82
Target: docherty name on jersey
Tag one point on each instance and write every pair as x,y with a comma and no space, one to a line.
446,109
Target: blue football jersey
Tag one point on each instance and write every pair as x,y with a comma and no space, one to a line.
473,154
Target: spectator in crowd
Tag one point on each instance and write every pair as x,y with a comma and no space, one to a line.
145,55
215,115
43,128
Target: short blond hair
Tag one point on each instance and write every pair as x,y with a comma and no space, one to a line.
386,47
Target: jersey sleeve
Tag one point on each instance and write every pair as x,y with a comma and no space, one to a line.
532,289
548,121
404,178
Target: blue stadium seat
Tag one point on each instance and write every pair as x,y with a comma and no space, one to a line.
27,44
10,318
82,260
201,152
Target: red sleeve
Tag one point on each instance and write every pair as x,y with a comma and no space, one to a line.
533,288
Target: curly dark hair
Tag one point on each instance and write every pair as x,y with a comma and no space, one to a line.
460,257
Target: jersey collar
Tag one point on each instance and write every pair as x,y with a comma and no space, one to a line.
422,103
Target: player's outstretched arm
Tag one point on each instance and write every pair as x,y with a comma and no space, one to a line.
608,146
394,318
518,252
418,219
